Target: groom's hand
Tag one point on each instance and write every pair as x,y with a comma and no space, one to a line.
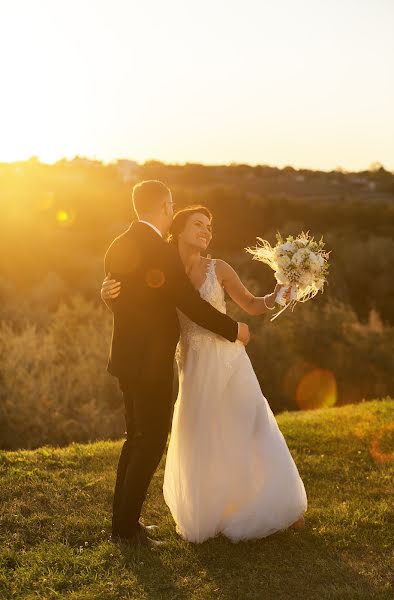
243,333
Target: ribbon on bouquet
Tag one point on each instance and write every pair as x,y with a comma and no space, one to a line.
282,302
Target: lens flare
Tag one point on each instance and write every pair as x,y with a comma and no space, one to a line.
155,278
317,389
64,217
293,376
376,450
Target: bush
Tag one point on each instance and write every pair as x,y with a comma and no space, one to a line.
54,387
321,336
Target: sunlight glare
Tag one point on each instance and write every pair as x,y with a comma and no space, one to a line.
317,389
64,217
380,439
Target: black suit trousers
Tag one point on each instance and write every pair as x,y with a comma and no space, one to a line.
148,413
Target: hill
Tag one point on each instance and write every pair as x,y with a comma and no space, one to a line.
55,521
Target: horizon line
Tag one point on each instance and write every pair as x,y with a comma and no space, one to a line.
338,168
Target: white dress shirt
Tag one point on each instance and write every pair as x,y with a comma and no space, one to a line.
153,227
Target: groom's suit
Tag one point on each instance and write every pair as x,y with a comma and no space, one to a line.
145,335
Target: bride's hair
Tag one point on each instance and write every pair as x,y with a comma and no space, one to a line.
181,217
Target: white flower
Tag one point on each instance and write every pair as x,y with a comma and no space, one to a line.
305,279
278,252
314,262
289,247
283,261
298,257
281,277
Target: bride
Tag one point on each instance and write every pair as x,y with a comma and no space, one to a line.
228,468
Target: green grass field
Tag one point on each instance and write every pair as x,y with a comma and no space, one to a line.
56,511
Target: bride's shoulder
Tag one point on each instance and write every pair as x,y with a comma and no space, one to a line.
222,266
217,263
224,271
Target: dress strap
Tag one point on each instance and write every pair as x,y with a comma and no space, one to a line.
212,269
211,272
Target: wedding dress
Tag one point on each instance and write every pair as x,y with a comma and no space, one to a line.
228,467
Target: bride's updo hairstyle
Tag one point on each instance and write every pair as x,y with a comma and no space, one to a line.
181,217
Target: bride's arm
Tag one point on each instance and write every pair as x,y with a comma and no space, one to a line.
253,305
110,289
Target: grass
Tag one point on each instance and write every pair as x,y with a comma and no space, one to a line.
56,510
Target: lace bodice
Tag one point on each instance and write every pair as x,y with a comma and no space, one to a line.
192,334
211,290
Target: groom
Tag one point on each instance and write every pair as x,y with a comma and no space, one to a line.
145,335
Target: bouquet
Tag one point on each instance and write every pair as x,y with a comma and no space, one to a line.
300,263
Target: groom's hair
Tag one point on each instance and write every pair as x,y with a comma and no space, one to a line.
148,196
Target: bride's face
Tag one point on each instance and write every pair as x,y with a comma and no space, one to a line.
197,231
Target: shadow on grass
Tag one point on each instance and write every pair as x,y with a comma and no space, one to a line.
296,565
287,564
157,579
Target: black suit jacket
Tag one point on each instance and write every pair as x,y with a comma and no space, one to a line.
145,321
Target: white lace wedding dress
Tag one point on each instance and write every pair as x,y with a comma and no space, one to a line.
228,467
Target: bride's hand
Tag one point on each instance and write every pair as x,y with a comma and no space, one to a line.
110,288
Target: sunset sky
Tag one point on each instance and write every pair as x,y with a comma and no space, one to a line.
307,83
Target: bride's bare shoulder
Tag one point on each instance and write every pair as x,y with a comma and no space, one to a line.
222,265
209,260
224,271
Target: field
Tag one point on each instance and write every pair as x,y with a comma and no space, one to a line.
55,522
